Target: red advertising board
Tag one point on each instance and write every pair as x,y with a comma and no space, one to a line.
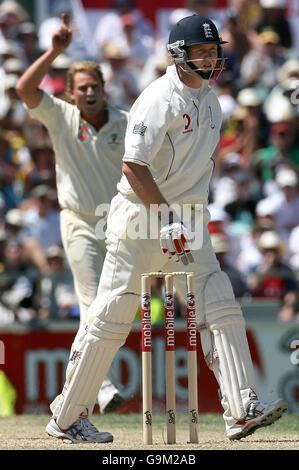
35,363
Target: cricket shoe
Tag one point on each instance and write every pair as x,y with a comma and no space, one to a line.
81,431
258,416
109,397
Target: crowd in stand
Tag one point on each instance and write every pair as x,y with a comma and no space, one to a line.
254,199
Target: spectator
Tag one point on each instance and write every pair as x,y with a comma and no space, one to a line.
288,81
139,47
290,94
154,68
272,278
42,168
232,50
8,171
41,227
238,42
250,99
284,110
220,222
221,247
189,7
226,91
287,214
282,150
12,14
206,8
261,64
120,84
110,27
28,40
282,206
14,224
14,113
10,50
293,245
14,66
242,209
57,293
55,81
77,49
164,28
20,156
249,255
3,238
47,28
42,220
219,219
274,17
223,187
249,14
35,133
17,286
238,136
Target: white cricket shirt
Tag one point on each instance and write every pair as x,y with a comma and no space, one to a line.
88,163
175,134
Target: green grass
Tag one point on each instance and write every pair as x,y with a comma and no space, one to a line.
288,423
24,432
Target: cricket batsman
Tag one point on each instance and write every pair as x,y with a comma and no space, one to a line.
173,130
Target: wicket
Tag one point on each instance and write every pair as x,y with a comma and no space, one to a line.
169,356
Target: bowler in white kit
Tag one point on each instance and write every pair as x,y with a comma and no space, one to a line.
173,130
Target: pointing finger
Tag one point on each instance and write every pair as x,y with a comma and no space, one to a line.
65,19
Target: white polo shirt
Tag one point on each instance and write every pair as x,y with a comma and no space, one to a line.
174,130
88,163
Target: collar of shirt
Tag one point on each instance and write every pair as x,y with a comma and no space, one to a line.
184,89
114,115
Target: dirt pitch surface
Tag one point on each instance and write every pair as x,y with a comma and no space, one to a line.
27,432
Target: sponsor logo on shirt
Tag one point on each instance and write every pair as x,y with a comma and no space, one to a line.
139,128
83,133
187,120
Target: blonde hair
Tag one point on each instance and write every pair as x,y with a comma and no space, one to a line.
83,66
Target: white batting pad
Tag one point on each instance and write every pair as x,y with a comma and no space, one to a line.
226,323
96,350
82,391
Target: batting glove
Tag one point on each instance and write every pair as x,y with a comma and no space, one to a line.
175,238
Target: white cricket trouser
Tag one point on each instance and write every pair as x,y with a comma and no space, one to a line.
85,254
115,305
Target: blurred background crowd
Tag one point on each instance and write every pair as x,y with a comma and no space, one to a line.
254,199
